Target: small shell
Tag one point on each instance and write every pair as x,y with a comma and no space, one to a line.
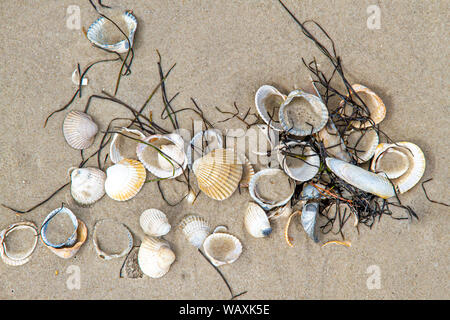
122,147
247,173
362,143
172,146
87,185
309,215
309,192
69,252
76,78
333,143
154,222
267,100
218,173
276,191
360,178
70,241
108,256
79,130
414,162
99,34
20,258
196,229
305,118
155,257
124,179
203,143
222,248
298,169
191,196
256,221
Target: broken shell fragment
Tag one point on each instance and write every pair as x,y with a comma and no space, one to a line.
267,100
333,143
303,114
256,221
154,222
362,143
122,147
361,179
130,268
203,143
105,35
309,215
108,256
222,248
195,229
76,78
79,130
19,258
155,257
298,160
124,179
68,252
247,173
70,240
87,185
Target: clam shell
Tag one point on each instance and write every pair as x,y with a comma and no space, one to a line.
298,169
218,173
71,239
309,192
109,256
267,99
362,143
294,117
87,185
203,143
79,130
172,145
155,257
70,251
408,168
98,33
309,218
276,199
124,179
196,229
256,221
20,258
222,248
333,143
154,222
360,178
122,147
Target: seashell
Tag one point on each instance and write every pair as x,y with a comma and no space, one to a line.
79,130
122,147
309,192
87,185
302,119
297,168
360,178
155,257
124,179
333,143
218,173
203,143
222,248
362,143
191,196
403,162
20,258
109,256
267,100
373,102
256,221
196,229
101,33
130,268
169,165
281,212
154,222
76,78
68,252
70,241
247,173
271,188
309,215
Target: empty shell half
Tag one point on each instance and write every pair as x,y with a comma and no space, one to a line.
362,143
222,248
79,130
195,229
124,179
333,142
121,228
59,234
154,222
17,258
298,160
123,147
256,221
309,215
87,185
268,101
155,257
68,252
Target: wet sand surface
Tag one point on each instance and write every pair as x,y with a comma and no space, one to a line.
224,52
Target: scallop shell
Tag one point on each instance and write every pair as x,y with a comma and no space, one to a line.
360,178
172,147
373,102
309,215
196,229
154,222
222,248
98,34
87,185
333,143
109,256
256,221
414,162
300,127
195,150
70,251
265,203
120,145
362,143
124,179
71,239
218,173
79,130
298,169
267,99
155,257
21,258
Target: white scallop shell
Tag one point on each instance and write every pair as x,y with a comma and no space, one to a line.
362,143
222,248
120,145
298,169
309,215
333,143
155,257
264,100
124,179
195,150
256,221
154,222
79,130
196,229
20,258
87,185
